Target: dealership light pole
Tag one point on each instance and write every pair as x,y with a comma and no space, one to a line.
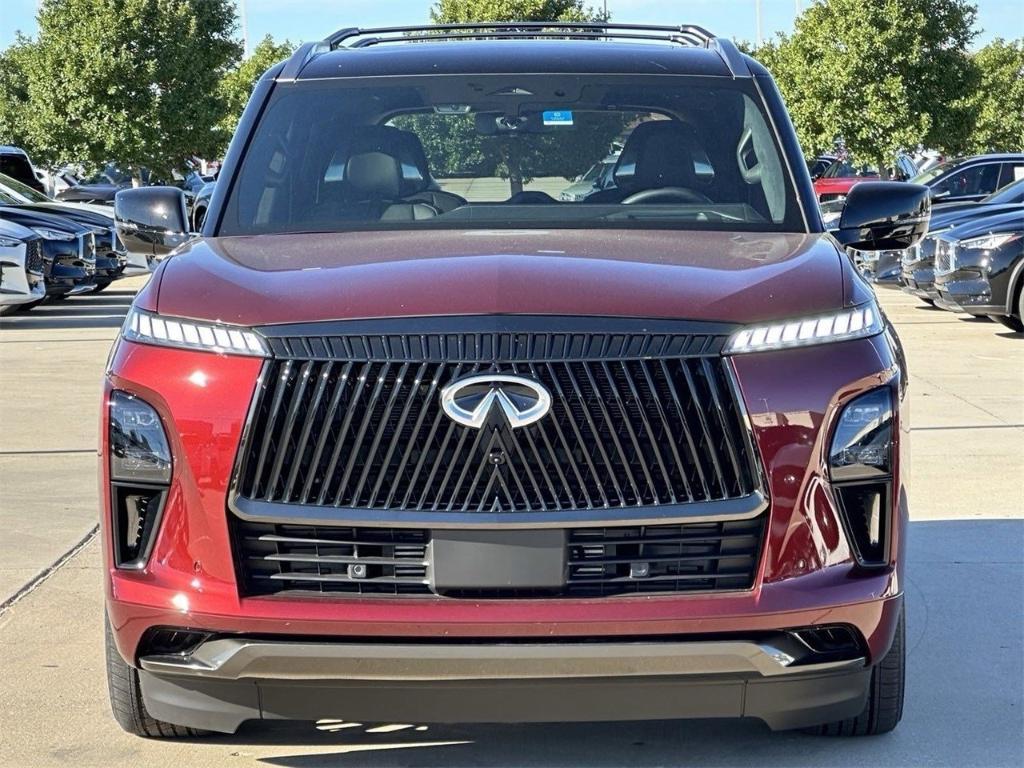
243,16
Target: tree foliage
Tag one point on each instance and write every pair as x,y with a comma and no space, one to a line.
134,81
237,84
882,75
465,11
998,102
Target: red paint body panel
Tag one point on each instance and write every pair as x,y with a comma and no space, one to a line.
806,574
729,276
840,185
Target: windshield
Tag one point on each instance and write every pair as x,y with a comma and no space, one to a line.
845,170
15,188
496,151
934,172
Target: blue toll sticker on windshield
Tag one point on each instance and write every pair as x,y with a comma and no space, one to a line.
558,117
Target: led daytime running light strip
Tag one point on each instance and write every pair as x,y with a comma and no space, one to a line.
840,326
149,328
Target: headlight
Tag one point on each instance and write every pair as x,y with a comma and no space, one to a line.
148,328
9,242
53,234
860,466
140,472
138,445
862,439
988,242
855,323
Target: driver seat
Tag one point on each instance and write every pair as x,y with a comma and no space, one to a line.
657,154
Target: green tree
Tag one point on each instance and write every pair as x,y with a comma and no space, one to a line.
13,95
882,75
136,81
466,11
454,145
998,102
237,84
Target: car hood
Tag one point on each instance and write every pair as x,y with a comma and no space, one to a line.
944,219
1007,221
27,217
72,212
725,276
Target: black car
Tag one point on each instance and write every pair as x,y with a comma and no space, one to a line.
200,204
917,264
69,250
14,162
972,178
816,166
979,268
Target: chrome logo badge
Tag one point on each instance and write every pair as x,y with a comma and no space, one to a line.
469,401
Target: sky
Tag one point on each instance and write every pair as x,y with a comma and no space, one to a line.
301,20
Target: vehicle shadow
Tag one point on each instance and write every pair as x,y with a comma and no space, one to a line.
964,589
96,310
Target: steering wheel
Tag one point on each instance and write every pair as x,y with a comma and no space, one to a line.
669,194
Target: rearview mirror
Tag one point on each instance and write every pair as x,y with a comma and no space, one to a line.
884,216
151,220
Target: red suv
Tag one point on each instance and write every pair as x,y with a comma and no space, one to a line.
403,437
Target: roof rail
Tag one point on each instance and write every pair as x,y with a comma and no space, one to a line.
357,37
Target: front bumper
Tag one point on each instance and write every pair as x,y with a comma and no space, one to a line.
969,292
227,681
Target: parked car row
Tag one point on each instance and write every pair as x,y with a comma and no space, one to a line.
49,249
972,258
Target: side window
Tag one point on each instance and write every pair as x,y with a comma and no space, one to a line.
982,179
1011,172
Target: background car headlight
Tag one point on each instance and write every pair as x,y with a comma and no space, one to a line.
988,242
860,465
9,242
149,328
140,473
855,323
53,234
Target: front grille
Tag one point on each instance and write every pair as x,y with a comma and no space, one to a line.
355,422
34,262
945,256
87,247
601,562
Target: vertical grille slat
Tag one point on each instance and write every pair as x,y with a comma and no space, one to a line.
354,421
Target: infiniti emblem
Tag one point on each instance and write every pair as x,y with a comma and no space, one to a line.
468,401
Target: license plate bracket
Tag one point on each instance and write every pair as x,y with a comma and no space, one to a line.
484,560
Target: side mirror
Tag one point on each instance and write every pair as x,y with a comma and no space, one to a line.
884,216
151,220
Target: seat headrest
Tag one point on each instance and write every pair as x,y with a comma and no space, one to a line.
657,154
403,145
375,174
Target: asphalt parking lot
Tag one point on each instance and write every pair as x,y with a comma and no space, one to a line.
965,591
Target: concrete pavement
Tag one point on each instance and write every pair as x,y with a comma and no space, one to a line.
965,591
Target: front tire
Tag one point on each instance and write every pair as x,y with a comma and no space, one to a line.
126,699
884,707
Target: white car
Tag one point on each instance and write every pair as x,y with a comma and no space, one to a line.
13,192
21,267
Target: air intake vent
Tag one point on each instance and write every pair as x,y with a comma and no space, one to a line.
395,562
356,561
